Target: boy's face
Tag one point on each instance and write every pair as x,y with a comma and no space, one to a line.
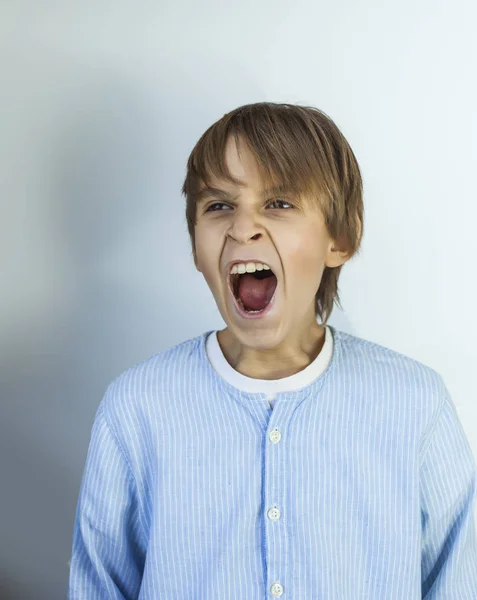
248,226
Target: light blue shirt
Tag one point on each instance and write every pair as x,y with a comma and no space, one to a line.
360,485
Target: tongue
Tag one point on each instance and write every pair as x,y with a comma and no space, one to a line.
256,293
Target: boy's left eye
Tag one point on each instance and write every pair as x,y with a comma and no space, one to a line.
279,204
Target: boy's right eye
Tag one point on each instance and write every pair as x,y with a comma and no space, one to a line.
216,206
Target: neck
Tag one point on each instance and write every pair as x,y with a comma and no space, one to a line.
289,357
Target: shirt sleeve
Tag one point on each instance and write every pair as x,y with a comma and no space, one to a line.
106,559
448,491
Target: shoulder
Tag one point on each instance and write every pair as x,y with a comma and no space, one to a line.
146,381
391,370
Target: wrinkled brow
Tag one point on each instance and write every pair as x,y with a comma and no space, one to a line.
211,192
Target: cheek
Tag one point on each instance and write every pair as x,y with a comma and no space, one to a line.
202,249
208,242
304,254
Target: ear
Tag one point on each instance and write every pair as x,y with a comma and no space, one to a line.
336,255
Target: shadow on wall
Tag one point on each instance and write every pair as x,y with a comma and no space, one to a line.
99,167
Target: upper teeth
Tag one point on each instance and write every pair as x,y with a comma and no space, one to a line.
249,268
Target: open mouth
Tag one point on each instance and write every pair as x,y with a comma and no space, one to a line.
253,291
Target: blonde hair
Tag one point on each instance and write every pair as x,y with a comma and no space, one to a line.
301,148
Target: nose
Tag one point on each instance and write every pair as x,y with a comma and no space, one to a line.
244,228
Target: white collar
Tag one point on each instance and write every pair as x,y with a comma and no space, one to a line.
269,386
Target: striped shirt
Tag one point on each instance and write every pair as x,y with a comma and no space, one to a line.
359,485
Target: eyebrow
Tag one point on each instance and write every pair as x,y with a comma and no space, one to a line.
211,192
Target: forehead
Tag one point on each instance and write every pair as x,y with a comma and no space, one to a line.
238,171
240,162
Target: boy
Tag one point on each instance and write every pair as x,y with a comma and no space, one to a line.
278,457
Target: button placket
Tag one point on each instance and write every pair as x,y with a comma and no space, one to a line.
273,513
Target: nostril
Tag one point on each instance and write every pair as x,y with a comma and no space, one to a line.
256,236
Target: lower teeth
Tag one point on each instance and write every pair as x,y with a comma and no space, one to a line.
245,309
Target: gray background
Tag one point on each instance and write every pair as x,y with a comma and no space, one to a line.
101,103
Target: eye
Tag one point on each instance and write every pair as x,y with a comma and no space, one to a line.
280,204
216,206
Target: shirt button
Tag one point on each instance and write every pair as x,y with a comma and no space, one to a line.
276,589
275,436
274,514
